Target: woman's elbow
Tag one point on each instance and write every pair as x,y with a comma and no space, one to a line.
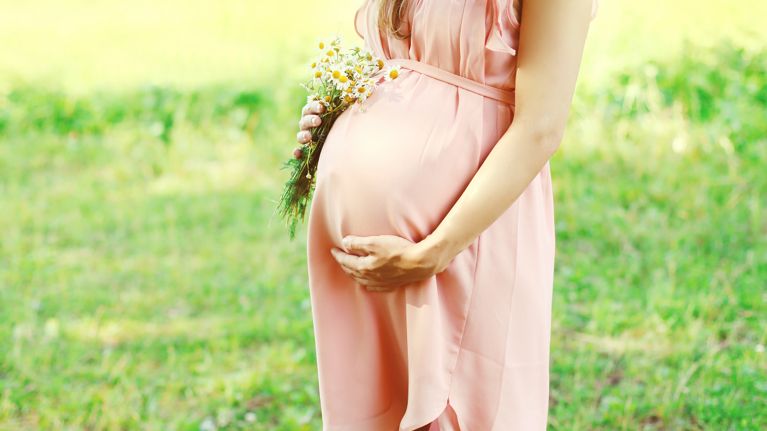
546,134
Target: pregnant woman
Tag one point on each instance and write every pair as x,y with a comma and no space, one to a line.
431,230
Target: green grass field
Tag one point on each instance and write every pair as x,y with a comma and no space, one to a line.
146,285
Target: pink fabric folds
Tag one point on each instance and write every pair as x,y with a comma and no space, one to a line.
504,32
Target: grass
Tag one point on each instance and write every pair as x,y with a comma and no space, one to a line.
144,283
662,257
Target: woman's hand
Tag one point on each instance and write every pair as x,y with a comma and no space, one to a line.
384,263
310,118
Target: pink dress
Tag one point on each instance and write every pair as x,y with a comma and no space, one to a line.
468,348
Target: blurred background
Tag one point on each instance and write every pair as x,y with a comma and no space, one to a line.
146,284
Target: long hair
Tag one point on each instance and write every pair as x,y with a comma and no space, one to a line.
390,15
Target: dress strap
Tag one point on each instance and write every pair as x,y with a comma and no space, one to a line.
505,96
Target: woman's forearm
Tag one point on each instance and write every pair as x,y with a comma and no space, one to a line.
505,173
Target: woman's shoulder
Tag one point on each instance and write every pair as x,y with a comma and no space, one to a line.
514,9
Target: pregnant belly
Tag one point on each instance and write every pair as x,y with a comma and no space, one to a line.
398,166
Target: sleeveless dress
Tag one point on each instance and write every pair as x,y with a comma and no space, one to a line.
468,348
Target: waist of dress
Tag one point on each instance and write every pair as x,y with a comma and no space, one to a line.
505,96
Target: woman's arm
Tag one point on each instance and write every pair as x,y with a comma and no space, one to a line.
552,36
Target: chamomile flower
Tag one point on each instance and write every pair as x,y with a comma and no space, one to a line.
343,82
362,91
392,73
336,74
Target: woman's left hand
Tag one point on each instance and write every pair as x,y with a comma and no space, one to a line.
383,263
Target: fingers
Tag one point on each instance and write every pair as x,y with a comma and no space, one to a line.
309,119
313,108
305,123
359,244
368,284
303,137
358,268
356,265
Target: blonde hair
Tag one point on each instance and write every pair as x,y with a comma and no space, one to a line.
390,16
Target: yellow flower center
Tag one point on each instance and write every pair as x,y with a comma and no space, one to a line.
393,74
318,74
322,45
380,64
343,78
331,53
336,74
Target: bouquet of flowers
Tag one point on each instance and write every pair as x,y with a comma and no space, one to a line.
339,79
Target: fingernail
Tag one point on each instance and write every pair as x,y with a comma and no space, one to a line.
316,121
